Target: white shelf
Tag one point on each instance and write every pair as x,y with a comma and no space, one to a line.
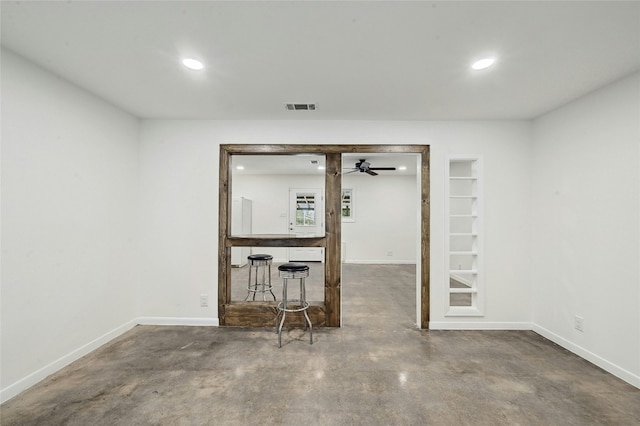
465,228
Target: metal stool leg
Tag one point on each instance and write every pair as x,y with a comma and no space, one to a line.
249,283
264,283
255,283
270,286
303,301
284,310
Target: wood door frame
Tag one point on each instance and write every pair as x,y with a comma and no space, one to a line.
328,312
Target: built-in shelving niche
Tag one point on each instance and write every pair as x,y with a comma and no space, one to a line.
465,289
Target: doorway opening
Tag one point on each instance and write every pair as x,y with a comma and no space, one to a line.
381,236
326,312
306,219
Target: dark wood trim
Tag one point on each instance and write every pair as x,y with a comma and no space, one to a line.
224,230
257,149
276,242
425,239
326,313
333,230
262,314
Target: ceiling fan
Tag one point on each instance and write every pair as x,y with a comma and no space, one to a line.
363,166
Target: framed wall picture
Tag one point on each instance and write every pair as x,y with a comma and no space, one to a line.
348,205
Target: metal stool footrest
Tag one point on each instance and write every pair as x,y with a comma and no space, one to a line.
303,306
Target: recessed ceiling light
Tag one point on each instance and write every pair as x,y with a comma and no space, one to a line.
240,168
320,167
192,64
402,168
483,63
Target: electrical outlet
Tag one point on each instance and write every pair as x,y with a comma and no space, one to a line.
204,300
389,253
579,323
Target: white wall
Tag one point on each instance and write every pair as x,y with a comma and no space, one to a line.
179,205
69,189
178,226
586,210
385,213
385,209
270,203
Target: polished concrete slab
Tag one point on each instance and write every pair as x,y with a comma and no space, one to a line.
376,370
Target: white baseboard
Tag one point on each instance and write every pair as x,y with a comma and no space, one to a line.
40,374
478,325
614,369
207,322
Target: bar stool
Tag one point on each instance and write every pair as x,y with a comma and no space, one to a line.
256,261
289,271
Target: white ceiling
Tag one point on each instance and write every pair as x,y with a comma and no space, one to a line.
358,60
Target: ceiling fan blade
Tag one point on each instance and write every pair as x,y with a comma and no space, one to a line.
369,172
382,168
350,171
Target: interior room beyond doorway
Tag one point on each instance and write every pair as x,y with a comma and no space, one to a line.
380,225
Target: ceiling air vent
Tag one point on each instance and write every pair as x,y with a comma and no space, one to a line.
301,107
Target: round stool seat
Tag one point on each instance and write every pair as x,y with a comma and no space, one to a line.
260,257
293,267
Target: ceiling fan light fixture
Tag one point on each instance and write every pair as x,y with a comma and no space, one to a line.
192,64
363,166
483,63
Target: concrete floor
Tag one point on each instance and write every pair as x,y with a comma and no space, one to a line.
376,370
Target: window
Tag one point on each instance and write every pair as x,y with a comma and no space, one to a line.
465,294
348,213
305,210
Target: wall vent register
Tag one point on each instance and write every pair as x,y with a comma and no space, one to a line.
465,290
301,107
